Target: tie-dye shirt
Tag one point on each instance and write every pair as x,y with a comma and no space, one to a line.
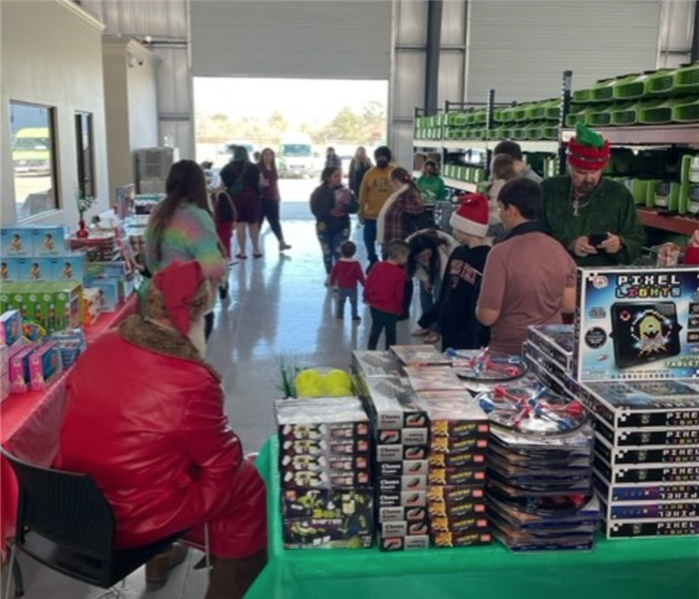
191,235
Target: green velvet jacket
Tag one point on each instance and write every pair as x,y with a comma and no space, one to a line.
611,209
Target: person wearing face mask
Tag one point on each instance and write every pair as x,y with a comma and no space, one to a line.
594,217
150,429
375,191
331,204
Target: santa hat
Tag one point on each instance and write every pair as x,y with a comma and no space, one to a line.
472,216
588,150
181,287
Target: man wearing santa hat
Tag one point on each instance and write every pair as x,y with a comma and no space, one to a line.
594,217
529,278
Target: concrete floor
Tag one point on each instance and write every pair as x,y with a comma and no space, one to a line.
278,306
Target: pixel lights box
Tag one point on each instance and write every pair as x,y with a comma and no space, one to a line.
637,324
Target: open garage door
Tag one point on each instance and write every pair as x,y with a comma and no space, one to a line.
335,39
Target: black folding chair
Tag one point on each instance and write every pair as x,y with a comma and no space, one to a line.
65,523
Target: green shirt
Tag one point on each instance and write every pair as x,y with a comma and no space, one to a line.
432,188
611,209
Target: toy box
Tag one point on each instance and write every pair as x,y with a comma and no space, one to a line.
15,242
35,270
116,269
460,460
400,453
394,404
461,539
109,293
328,533
328,503
92,305
402,484
637,324
645,455
325,479
404,468
71,343
404,529
405,436
9,270
621,529
557,341
10,328
376,363
20,376
54,306
44,365
48,241
322,446
401,513
68,268
404,543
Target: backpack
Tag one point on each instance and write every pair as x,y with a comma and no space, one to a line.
238,186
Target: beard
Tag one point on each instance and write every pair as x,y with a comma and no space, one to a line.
585,188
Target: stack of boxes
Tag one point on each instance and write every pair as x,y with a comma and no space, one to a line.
457,475
548,353
325,473
401,437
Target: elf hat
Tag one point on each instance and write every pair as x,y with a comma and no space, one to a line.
472,216
588,150
183,294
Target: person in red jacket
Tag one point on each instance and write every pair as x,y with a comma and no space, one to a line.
144,417
384,292
344,276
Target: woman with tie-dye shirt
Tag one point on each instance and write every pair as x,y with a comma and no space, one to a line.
182,228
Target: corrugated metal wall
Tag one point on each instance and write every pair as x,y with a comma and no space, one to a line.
334,39
520,48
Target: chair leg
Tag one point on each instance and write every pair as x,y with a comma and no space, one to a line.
10,571
19,581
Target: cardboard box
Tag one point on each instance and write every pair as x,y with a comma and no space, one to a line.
44,365
457,476
404,436
400,453
20,375
404,543
326,479
48,241
404,468
325,446
92,305
320,463
35,270
327,503
328,533
405,499
455,495
10,328
15,242
401,513
461,539
442,509
401,484
405,529
9,270
68,268
109,293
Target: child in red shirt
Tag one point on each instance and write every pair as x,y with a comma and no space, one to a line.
345,275
384,292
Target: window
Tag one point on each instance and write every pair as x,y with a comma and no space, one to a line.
33,158
86,163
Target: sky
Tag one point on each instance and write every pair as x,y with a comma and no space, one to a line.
297,99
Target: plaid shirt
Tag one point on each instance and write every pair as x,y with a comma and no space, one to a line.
398,220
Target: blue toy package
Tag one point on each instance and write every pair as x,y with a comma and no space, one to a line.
15,242
44,365
637,324
48,241
10,327
9,270
71,343
110,292
35,270
70,267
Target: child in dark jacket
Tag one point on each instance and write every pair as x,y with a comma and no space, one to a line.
345,275
463,276
384,292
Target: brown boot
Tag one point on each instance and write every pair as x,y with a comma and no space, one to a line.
158,568
231,578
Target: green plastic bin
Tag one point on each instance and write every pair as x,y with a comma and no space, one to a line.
660,83
550,132
686,80
660,114
629,87
603,90
686,113
599,116
534,131
552,110
507,115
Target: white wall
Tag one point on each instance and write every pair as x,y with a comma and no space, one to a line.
51,53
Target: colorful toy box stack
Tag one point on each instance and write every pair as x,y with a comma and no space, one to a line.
635,368
325,471
457,474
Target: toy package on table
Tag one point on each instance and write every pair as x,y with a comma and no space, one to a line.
48,241
393,404
376,363
16,242
637,324
71,344
10,327
557,341
486,367
420,355
20,374
4,371
429,378
45,365
9,269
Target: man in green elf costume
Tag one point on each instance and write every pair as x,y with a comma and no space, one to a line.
594,217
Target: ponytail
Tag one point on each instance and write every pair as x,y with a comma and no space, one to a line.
404,177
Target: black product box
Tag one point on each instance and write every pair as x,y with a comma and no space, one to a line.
405,436
405,468
370,363
327,503
461,524
394,405
539,360
644,491
458,446
404,529
455,495
647,455
442,509
621,529
400,453
420,355
404,499
645,436
459,460
551,379
400,514
338,430
665,473
326,479
401,484
637,404
457,430
325,447
322,418
556,341
404,543
461,539
320,463
333,533
457,476
652,511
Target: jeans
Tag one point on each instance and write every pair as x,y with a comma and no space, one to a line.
370,240
381,320
342,294
270,210
330,244
428,303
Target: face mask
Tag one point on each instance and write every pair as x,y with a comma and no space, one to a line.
382,162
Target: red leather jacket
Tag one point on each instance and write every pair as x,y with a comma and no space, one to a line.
148,425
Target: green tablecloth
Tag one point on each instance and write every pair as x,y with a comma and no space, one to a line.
665,568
